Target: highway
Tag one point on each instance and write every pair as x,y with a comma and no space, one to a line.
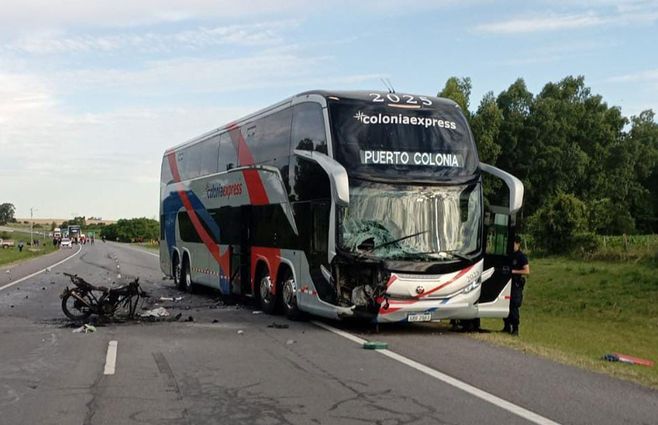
221,363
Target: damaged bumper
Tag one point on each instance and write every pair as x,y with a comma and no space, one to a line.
462,306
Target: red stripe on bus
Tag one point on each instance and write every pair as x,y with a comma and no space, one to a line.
255,187
460,274
244,154
424,294
271,257
257,193
222,260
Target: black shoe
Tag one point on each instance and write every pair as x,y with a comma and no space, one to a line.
515,332
506,329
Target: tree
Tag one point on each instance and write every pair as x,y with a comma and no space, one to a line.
7,211
132,230
558,226
642,140
459,90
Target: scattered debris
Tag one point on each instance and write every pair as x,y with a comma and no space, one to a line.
215,321
375,345
174,299
190,319
156,312
257,312
277,325
240,332
625,358
85,329
290,342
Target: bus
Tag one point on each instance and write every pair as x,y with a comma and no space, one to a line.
342,204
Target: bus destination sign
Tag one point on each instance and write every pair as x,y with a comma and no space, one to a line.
422,159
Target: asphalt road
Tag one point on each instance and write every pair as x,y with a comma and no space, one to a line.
229,366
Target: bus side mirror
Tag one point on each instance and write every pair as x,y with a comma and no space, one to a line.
340,188
514,185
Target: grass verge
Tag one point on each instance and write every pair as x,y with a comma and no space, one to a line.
575,312
12,255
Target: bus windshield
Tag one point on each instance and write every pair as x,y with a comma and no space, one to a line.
426,223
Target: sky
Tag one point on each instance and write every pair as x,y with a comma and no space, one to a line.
93,92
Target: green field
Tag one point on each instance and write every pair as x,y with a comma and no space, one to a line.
575,312
12,255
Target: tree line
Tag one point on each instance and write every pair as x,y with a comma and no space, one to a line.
587,169
132,230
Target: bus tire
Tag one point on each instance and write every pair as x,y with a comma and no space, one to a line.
186,277
177,270
265,295
289,297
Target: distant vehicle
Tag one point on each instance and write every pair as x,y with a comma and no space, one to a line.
66,243
74,233
6,243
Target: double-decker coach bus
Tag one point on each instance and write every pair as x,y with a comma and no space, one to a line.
344,205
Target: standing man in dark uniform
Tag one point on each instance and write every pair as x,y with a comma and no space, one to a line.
520,269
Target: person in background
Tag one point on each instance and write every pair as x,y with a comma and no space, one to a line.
520,269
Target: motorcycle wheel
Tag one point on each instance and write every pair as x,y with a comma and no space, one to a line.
73,309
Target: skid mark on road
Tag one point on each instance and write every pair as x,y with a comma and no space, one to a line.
172,384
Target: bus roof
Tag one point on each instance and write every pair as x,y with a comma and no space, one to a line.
358,95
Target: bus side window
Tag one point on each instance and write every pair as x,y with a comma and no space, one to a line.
208,151
308,132
271,139
497,233
228,157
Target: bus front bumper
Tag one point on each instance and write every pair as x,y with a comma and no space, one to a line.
462,307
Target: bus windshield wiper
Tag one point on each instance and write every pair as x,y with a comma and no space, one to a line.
458,255
396,240
455,254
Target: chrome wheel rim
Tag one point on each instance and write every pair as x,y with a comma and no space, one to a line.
289,289
266,289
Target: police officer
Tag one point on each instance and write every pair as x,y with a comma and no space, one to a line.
520,269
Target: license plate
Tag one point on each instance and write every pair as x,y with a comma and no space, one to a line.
419,317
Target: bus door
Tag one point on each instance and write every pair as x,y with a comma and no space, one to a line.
241,255
499,231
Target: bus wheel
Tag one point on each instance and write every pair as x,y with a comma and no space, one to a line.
289,299
186,277
178,271
267,298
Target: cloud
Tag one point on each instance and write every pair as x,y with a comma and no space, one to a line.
49,42
646,76
26,15
541,24
603,13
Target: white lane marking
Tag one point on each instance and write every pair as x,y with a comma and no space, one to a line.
9,285
497,401
111,358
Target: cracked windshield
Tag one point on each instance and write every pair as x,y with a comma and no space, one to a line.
412,222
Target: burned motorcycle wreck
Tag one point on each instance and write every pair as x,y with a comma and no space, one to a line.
85,299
